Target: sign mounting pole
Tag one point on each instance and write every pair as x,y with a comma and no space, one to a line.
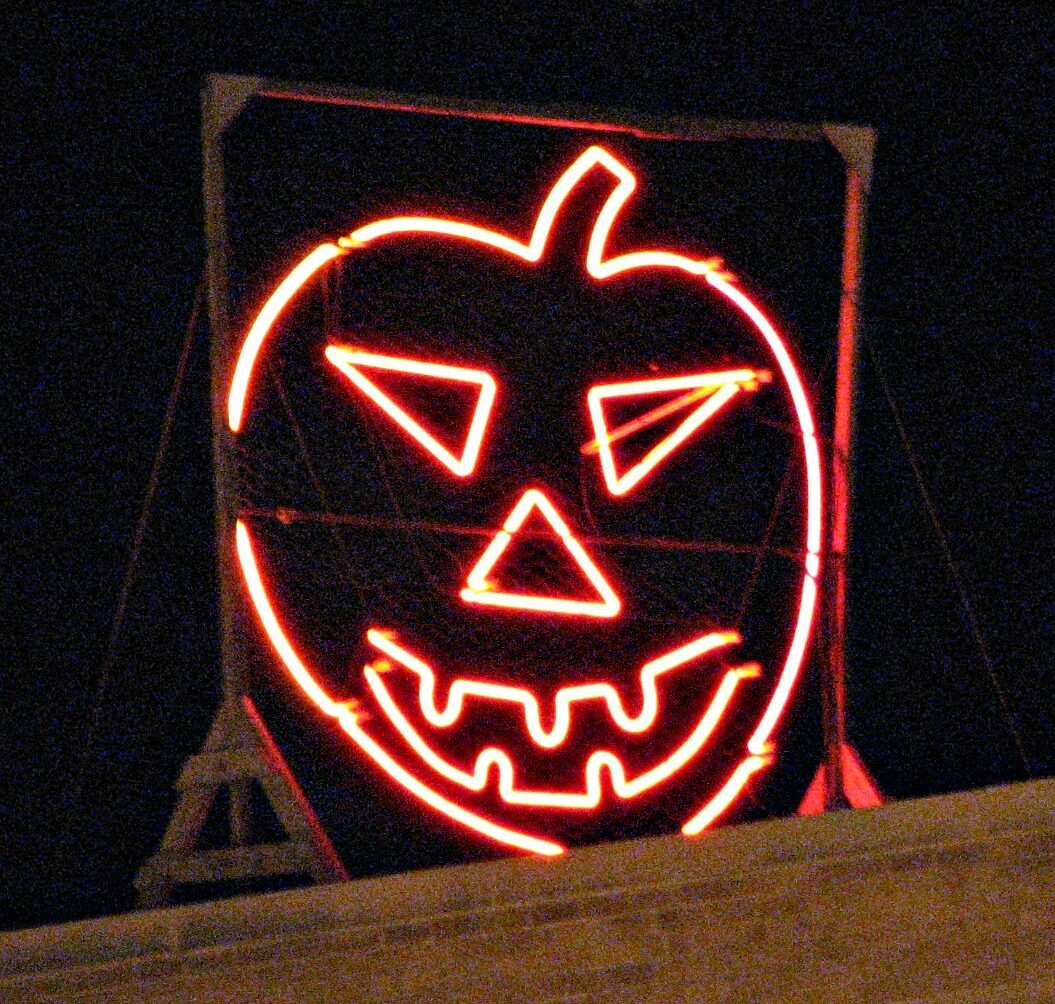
239,751
842,781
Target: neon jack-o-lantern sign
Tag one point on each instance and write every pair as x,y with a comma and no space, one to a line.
409,707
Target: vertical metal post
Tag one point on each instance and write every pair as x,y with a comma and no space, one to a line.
238,752
856,147
221,102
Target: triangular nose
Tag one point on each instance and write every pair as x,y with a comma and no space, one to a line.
479,590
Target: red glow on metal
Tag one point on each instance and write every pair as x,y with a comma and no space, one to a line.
716,390
590,797
351,362
479,590
486,114
858,786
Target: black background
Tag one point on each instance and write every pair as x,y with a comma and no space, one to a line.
103,249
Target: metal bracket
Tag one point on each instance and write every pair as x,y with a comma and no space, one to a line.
856,146
225,98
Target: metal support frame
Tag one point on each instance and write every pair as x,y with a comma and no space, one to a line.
238,752
845,782
225,98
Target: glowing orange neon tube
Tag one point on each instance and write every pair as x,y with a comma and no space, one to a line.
348,721
555,736
479,590
729,791
657,414
721,392
276,303
799,401
603,760
533,250
759,742
350,361
602,268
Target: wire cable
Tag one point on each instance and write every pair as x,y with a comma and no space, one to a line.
132,566
961,589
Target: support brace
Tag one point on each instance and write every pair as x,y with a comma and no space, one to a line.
238,751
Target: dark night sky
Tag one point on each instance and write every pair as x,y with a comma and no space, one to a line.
103,251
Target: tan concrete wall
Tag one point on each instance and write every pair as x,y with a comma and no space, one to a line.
947,899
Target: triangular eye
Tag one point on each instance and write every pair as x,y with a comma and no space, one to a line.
416,376
699,396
